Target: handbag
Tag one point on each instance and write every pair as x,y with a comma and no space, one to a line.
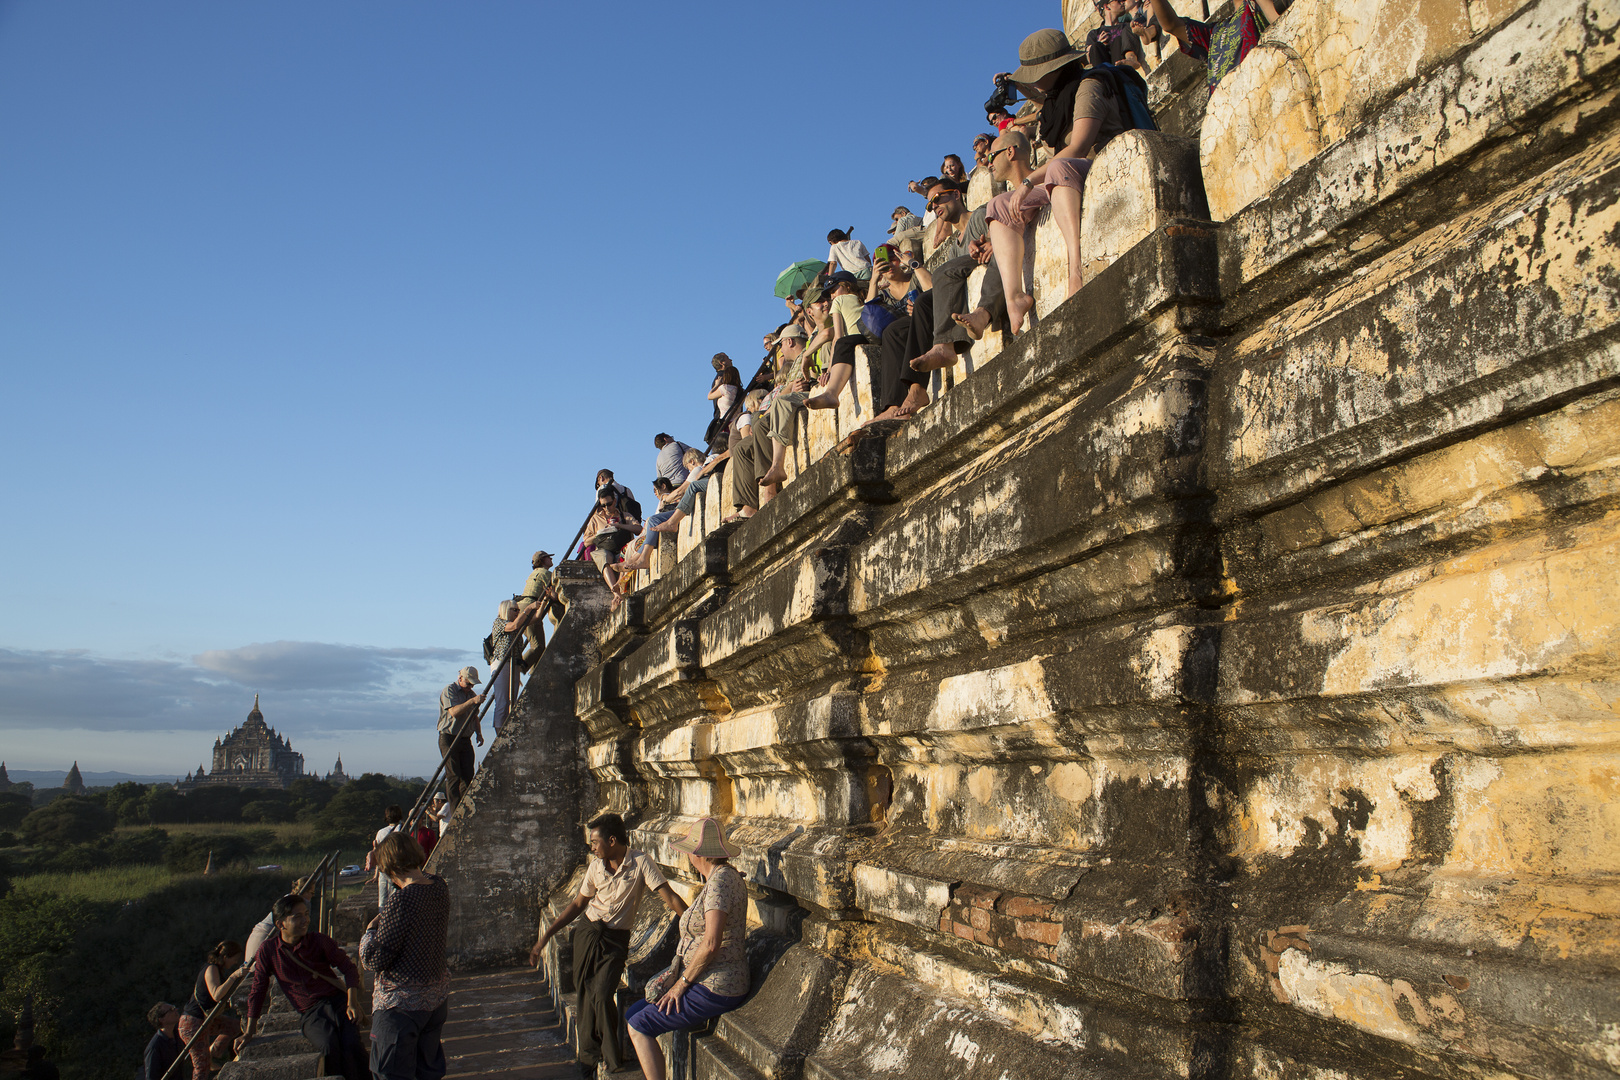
659,984
875,318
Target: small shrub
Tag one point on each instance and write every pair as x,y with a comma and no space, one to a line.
67,821
78,858
262,811
133,849
13,808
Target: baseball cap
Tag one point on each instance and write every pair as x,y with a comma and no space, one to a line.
470,674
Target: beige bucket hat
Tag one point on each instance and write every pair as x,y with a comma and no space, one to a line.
706,840
1042,52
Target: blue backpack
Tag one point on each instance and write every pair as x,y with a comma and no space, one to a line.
1130,89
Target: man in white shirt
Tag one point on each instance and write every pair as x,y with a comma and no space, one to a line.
615,881
394,816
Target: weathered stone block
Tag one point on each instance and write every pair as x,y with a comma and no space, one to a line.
1141,182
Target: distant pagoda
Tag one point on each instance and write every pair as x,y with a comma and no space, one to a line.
337,775
252,756
5,781
73,783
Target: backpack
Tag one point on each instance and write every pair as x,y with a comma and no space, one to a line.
1130,89
628,504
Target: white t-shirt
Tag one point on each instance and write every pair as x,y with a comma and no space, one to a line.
850,255
382,832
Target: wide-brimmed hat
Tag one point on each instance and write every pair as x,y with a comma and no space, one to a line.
1042,52
706,840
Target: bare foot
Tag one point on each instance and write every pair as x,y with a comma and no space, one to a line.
821,401
667,527
767,493
1017,308
975,322
891,413
741,515
772,477
916,399
618,598
942,355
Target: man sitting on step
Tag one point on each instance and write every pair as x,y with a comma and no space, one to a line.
760,460
953,327
614,883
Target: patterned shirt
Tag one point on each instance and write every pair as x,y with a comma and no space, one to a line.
727,973
405,947
500,639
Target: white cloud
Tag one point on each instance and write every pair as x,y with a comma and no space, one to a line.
320,691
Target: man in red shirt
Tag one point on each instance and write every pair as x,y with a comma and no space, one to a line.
303,962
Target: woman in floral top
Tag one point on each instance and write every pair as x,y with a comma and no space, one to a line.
502,639
405,946
710,972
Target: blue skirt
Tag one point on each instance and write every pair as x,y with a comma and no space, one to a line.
697,1006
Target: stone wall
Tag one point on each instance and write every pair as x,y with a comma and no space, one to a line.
1219,679
517,833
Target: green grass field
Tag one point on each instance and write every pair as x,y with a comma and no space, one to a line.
123,883
117,883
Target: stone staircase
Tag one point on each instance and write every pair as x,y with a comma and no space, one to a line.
502,1025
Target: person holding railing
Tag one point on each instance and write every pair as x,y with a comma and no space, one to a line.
320,981
458,709
539,598
503,640
209,1037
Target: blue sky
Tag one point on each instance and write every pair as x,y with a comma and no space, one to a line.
317,319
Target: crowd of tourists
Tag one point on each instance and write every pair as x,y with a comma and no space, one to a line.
403,948
908,300
1051,115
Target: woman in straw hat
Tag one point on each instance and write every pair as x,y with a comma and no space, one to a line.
710,972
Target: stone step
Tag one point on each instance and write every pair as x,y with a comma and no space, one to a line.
281,1044
290,1067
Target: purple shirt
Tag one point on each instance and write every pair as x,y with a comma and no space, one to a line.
302,988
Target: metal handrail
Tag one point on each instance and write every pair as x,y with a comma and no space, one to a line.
228,987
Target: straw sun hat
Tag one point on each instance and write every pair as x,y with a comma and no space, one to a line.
706,841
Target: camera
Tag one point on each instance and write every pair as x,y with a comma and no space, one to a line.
1006,95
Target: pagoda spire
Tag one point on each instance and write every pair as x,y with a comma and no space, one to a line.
74,781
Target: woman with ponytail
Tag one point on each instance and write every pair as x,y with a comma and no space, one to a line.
218,1035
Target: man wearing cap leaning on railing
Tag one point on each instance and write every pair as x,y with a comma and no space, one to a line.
539,598
458,708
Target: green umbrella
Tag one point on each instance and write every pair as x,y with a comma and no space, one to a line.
798,276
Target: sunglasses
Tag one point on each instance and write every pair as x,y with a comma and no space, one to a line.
996,153
939,200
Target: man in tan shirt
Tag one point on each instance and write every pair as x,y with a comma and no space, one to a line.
615,881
